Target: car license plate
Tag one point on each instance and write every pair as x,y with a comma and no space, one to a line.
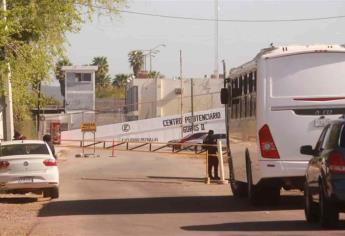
22,180
321,122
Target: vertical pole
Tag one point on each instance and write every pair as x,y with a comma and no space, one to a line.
181,84
113,149
150,59
94,143
8,124
216,46
38,109
207,179
82,144
220,158
192,103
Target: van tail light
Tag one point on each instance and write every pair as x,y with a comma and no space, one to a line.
50,162
4,164
336,163
267,146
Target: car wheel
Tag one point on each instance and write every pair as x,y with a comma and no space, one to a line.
311,209
52,193
329,216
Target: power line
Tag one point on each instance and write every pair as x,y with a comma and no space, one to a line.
234,20
224,20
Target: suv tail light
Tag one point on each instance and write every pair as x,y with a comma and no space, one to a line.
267,146
50,162
336,163
4,164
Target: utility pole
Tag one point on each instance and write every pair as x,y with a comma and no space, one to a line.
181,93
216,46
8,116
192,103
38,109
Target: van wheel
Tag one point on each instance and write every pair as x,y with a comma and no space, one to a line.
311,209
253,191
239,189
329,216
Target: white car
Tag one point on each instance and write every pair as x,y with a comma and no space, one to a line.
28,166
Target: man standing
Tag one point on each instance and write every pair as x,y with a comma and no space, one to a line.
48,139
211,148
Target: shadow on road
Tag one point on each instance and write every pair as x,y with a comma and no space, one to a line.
194,204
17,200
184,179
293,225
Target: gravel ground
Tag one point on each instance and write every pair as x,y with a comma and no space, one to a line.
18,213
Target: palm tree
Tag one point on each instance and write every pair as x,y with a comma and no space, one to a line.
60,75
102,77
136,61
120,80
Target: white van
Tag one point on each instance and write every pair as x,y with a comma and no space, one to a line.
277,102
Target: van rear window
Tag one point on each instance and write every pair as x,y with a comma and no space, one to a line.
307,75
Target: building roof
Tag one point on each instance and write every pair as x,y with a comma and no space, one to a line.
80,68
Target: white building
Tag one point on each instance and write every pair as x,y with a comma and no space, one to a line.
150,98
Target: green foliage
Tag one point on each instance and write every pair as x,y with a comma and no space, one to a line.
110,92
102,77
120,80
32,37
60,75
136,61
154,74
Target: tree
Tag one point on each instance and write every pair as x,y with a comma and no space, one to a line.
120,80
154,74
136,61
102,77
34,38
60,75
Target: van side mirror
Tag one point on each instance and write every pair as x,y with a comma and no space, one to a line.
224,96
307,150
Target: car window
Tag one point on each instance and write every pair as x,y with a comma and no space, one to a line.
23,149
332,137
199,135
220,136
321,138
342,137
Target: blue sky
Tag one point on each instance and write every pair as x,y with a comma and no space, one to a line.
238,42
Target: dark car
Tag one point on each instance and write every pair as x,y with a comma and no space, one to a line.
324,190
176,143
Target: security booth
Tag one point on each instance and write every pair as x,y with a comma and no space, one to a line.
55,132
79,88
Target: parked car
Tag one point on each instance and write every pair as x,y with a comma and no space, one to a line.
28,166
175,144
324,190
196,143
